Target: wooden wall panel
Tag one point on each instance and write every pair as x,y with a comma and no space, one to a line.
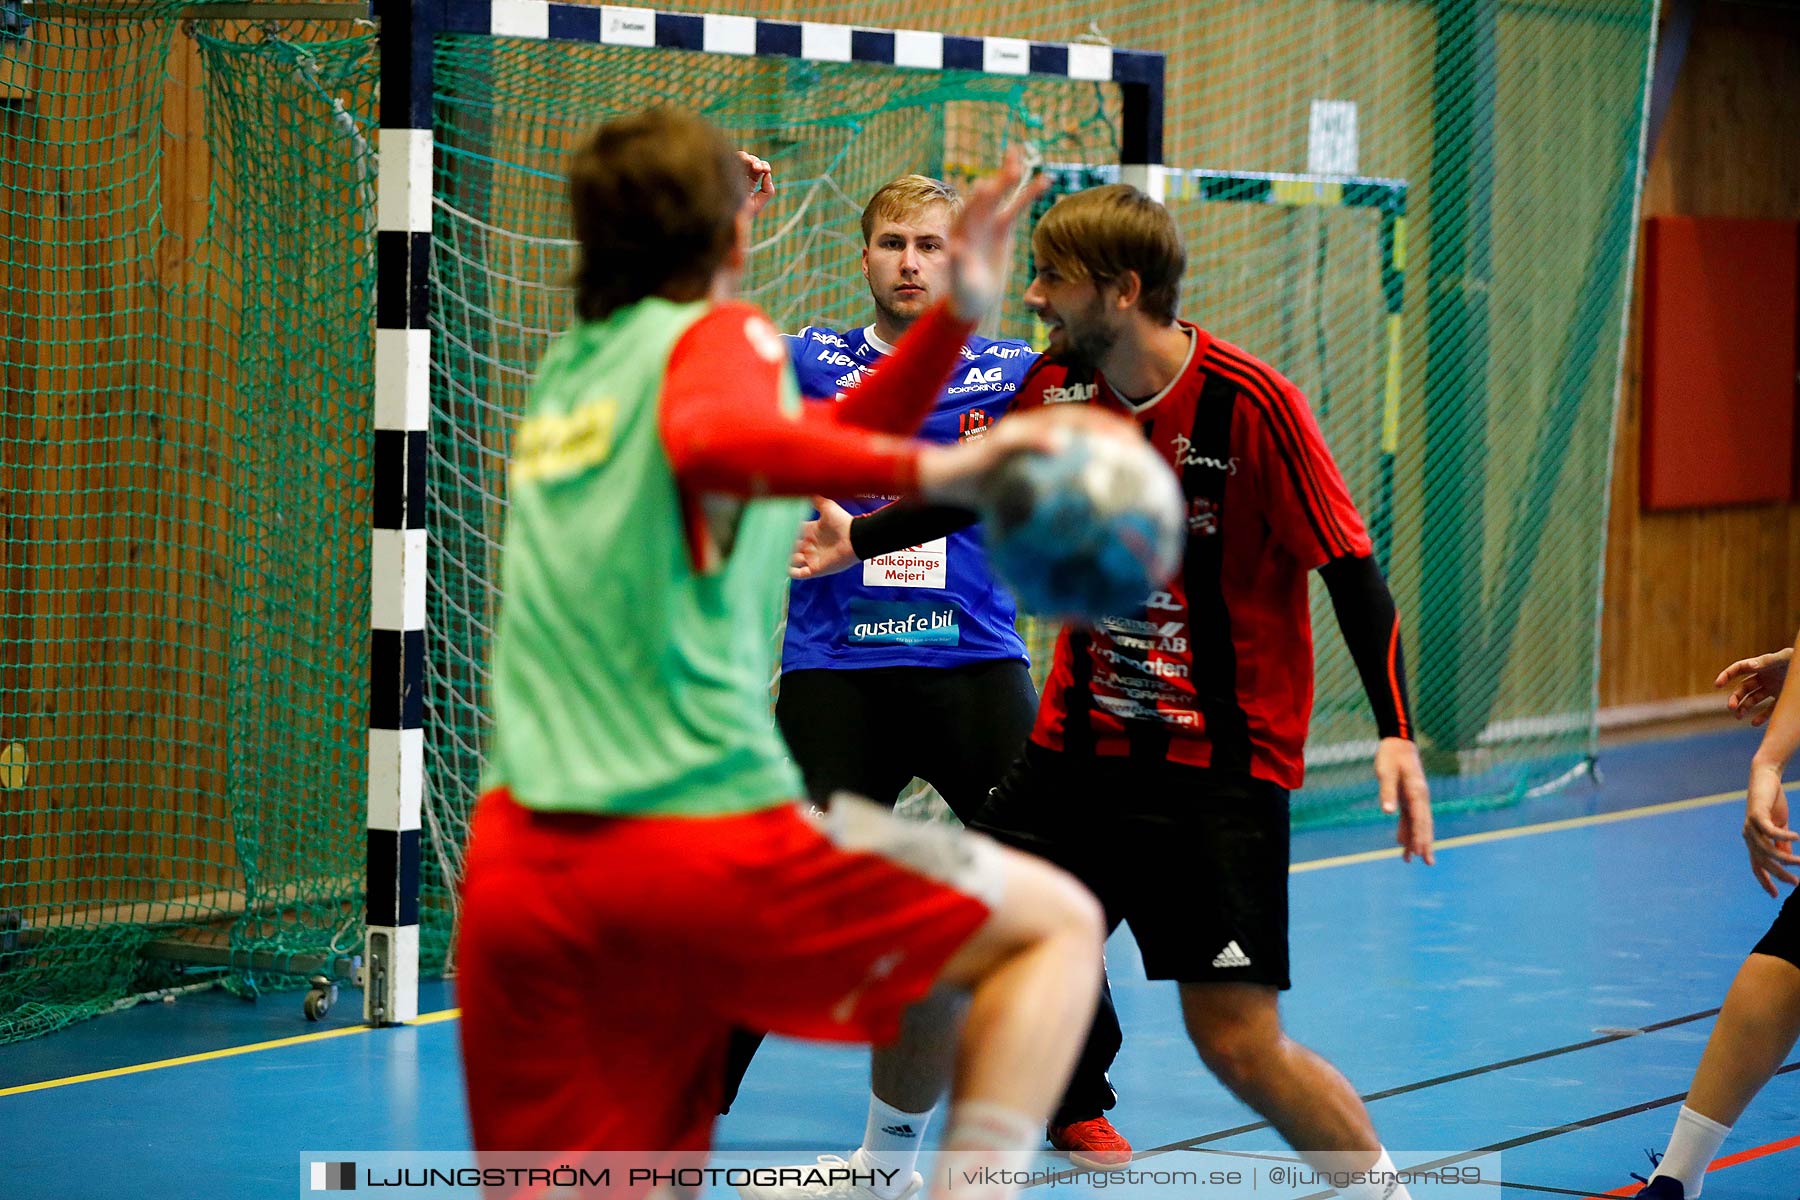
18,366
115,624
1688,592
151,676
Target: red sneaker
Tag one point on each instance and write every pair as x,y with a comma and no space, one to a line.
1092,1143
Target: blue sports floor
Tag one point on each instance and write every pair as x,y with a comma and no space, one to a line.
1546,989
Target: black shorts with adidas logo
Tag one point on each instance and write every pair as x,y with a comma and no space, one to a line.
1783,939
1194,860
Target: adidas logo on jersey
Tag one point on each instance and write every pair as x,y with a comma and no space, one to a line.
1231,956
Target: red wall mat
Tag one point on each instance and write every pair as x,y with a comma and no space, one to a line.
1719,360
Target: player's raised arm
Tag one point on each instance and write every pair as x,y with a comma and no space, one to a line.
981,241
761,181
747,441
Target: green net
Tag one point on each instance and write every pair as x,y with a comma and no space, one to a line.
185,229
186,303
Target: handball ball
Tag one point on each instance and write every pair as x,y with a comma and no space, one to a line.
1088,531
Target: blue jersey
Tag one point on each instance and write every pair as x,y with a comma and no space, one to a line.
934,605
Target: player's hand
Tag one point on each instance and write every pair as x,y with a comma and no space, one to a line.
1400,778
762,181
958,474
823,547
1766,831
1758,683
981,240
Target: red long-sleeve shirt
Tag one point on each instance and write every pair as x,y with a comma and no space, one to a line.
726,429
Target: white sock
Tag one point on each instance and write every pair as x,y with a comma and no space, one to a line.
984,1138
1380,1185
1692,1146
891,1142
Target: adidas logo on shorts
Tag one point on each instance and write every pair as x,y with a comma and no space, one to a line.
1231,956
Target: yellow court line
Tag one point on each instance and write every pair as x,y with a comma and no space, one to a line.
433,1018
1519,831
1317,864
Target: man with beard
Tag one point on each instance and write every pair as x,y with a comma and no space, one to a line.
1166,745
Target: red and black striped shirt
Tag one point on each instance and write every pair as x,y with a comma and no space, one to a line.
1218,669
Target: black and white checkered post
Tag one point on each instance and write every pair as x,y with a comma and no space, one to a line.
397,541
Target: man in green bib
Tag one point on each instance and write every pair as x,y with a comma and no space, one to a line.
639,879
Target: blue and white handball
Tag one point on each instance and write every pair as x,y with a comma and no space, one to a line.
1088,531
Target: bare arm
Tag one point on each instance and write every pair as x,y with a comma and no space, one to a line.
1766,832
762,181
1758,682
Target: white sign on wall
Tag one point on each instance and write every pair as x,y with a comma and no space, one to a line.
1331,140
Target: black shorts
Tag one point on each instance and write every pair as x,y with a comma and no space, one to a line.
870,731
1783,939
1194,860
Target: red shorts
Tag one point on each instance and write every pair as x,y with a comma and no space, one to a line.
601,961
